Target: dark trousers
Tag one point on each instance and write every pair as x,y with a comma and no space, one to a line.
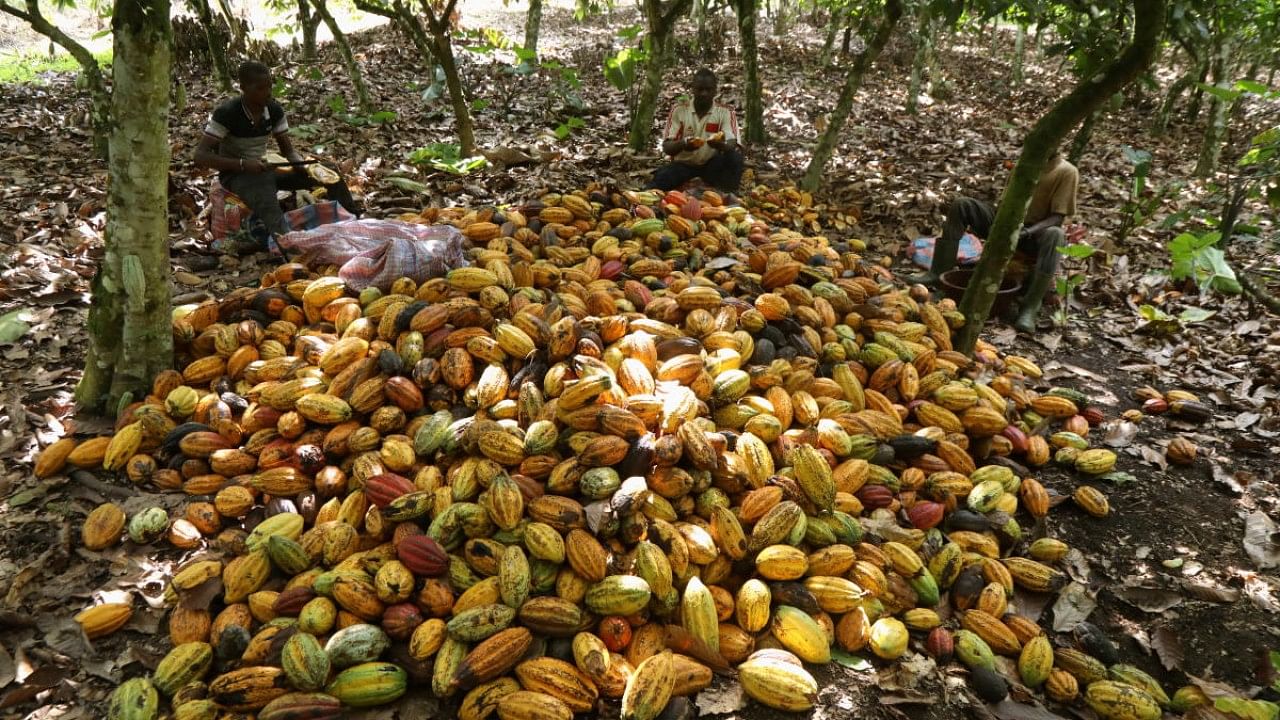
976,216
723,172
259,193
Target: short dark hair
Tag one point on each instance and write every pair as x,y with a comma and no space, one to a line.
705,74
251,70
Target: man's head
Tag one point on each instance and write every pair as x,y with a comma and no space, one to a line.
255,82
704,89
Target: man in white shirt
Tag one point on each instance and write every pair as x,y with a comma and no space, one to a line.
701,138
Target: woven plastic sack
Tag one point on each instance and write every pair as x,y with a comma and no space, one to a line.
375,253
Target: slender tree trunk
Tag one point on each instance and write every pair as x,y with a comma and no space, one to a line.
1019,53
747,13
661,23
99,95
130,335
1179,86
704,31
829,45
846,42
532,22
309,22
995,36
442,43
348,58
1040,142
1197,93
852,82
409,24
1211,148
1081,141
924,48
217,48
239,31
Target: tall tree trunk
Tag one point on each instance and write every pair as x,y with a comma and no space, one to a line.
1197,93
846,42
924,47
747,13
99,95
1211,148
348,58
217,47
1019,52
309,22
704,30
1040,142
409,24
532,22
239,30
835,123
130,335
829,45
661,23
1176,89
1081,141
440,25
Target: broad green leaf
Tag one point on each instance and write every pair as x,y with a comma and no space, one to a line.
1119,478
853,662
1195,315
1256,88
1221,93
1248,709
1151,313
406,184
1078,250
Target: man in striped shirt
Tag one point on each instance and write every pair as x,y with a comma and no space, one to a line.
235,144
701,138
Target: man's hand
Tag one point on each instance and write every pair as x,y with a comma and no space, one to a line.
1023,233
256,167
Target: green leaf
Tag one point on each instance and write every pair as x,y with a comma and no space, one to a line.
479,104
1226,94
562,131
1251,86
1195,315
853,662
406,184
1119,478
1151,313
13,326
1248,709
1275,665
1078,250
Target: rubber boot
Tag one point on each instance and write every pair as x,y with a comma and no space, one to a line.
1031,301
944,258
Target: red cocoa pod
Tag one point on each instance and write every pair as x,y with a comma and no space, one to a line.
940,645
400,620
382,489
1016,437
423,556
1155,406
875,496
926,514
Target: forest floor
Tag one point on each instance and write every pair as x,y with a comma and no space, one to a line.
1170,575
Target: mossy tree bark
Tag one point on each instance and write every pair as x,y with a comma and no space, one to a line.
217,48
532,24
747,12
660,19
844,105
1019,52
130,336
440,23
1037,148
1211,147
99,95
309,21
920,61
348,58
1179,86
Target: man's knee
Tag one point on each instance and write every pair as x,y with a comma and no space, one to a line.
1054,237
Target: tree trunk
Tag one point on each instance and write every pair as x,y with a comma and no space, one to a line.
924,46
747,13
1197,94
442,43
409,24
309,21
532,22
835,124
995,36
1179,86
217,48
782,19
1040,142
348,58
704,31
661,26
847,41
130,336
1211,148
239,32
1019,51
829,46
1083,135
99,96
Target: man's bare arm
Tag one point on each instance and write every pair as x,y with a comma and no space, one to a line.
1053,220
207,157
286,147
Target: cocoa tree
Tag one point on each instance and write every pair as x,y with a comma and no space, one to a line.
660,24
1049,131
887,21
217,48
100,97
747,12
130,339
440,18
348,58
532,24
408,23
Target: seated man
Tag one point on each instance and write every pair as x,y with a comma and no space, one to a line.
1053,200
702,140
235,143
